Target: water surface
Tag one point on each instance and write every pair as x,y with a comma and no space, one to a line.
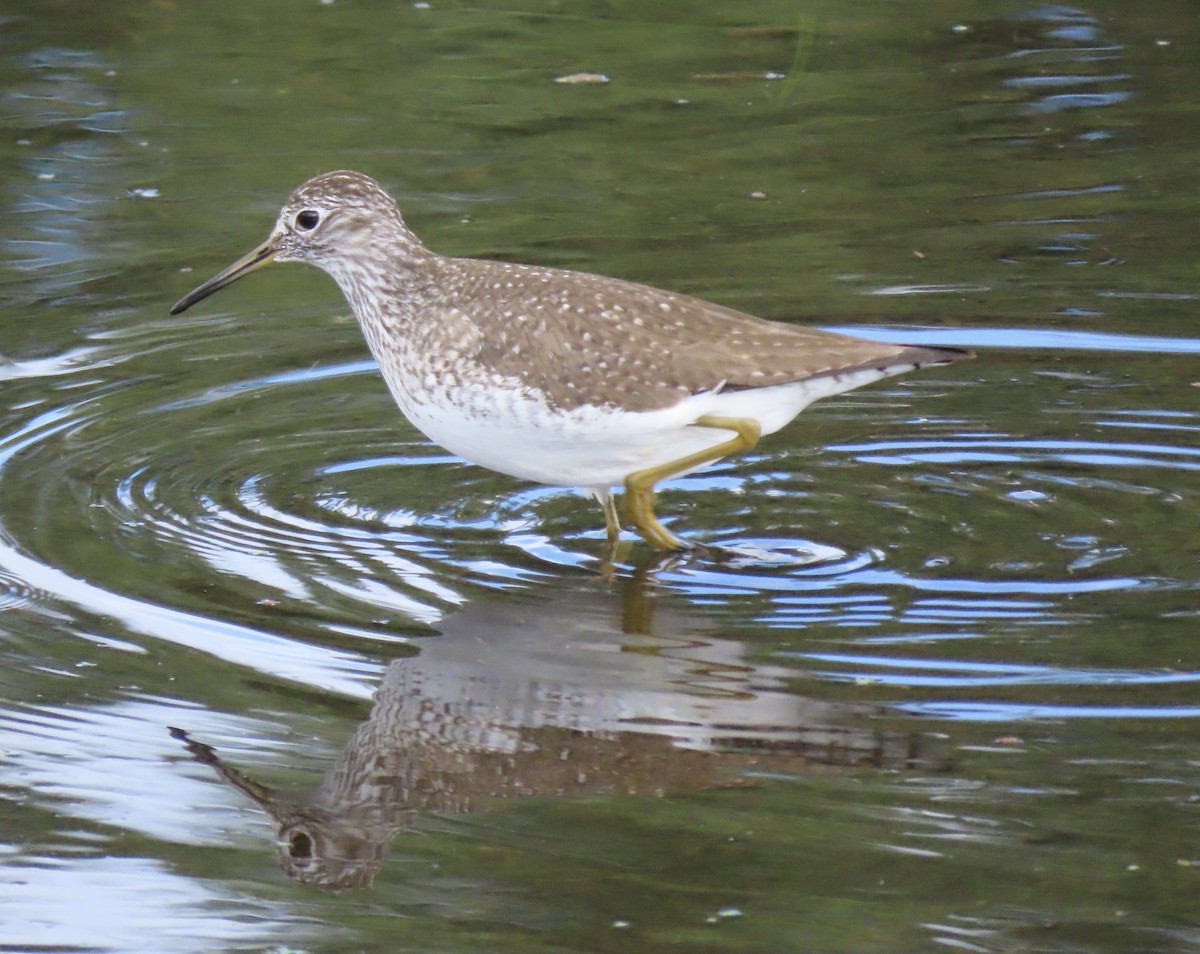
942,695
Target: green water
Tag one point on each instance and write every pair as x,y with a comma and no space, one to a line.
943,697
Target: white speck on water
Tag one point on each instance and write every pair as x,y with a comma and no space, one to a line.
960,28
576,78
46,176
620,923
147,193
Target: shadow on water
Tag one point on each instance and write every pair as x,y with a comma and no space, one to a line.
582,691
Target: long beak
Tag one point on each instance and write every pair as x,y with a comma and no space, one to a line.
243,266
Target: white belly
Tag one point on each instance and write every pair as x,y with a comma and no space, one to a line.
515,432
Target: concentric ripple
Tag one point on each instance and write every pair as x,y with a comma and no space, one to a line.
296,509
15,592
253,502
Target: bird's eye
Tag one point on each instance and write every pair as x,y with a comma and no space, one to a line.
307,220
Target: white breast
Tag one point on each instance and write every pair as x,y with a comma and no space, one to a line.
512,430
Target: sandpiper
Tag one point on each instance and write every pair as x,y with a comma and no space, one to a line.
555,376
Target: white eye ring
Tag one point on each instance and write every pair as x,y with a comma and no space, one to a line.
307,220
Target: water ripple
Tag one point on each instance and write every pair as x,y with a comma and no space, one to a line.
1022,712
994,450
312,523
973,673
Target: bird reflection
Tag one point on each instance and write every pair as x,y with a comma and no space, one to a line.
580,691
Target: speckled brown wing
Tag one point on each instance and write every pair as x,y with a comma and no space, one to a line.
572,335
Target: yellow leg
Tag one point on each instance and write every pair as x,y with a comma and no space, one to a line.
615,548
610,517
639,486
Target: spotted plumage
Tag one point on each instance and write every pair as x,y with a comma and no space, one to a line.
557,376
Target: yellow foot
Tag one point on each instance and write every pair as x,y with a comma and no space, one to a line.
639,507
639,486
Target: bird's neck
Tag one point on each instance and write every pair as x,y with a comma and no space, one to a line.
378,268
385,281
